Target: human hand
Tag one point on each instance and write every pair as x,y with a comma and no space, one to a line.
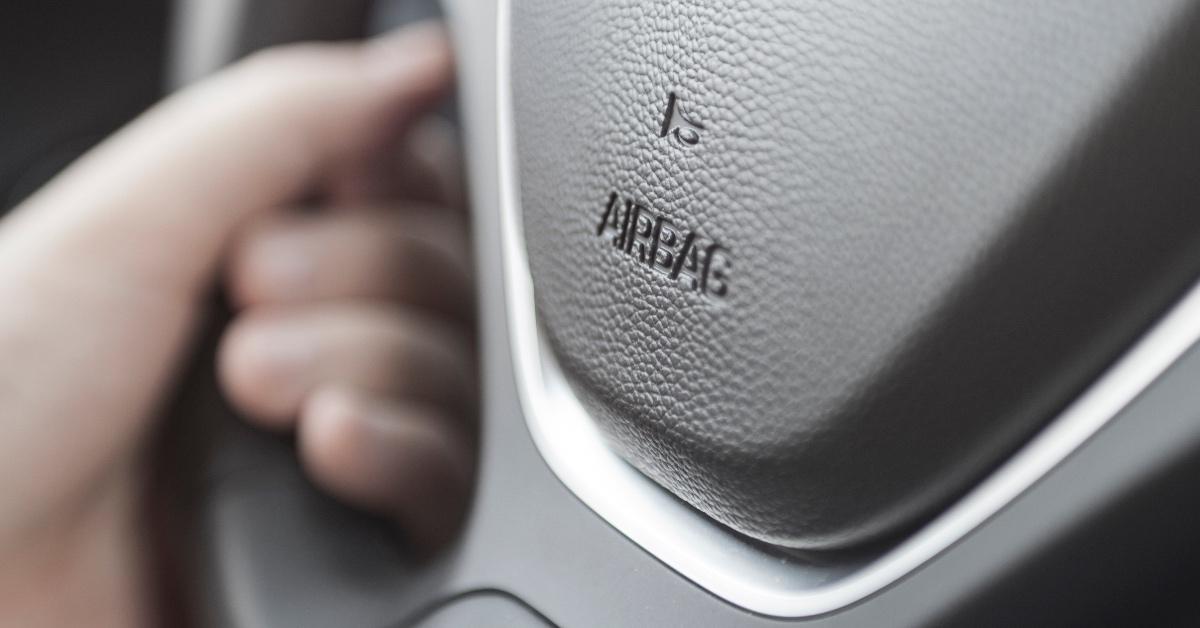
352,325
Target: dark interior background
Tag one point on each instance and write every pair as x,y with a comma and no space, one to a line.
70,73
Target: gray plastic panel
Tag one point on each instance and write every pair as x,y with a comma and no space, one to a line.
483,610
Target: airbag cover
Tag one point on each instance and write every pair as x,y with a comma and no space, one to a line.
816,267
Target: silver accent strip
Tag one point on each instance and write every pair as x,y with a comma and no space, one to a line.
700,549
203,38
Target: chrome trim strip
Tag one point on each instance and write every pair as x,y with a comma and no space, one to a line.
203,38
698,548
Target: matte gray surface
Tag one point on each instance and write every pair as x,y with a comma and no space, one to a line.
926,211
484,610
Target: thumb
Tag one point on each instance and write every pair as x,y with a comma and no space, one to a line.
158,201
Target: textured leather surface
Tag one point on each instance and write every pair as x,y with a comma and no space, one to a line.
937,221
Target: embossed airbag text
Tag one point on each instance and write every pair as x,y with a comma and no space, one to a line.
691,261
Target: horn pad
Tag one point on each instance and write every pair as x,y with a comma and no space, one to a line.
817,268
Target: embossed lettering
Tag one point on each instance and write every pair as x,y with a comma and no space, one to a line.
692,262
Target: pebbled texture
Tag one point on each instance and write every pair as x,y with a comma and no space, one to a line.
941,220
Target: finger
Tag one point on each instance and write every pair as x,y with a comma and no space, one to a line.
158,201
392,458
273,358
417,256
428,165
